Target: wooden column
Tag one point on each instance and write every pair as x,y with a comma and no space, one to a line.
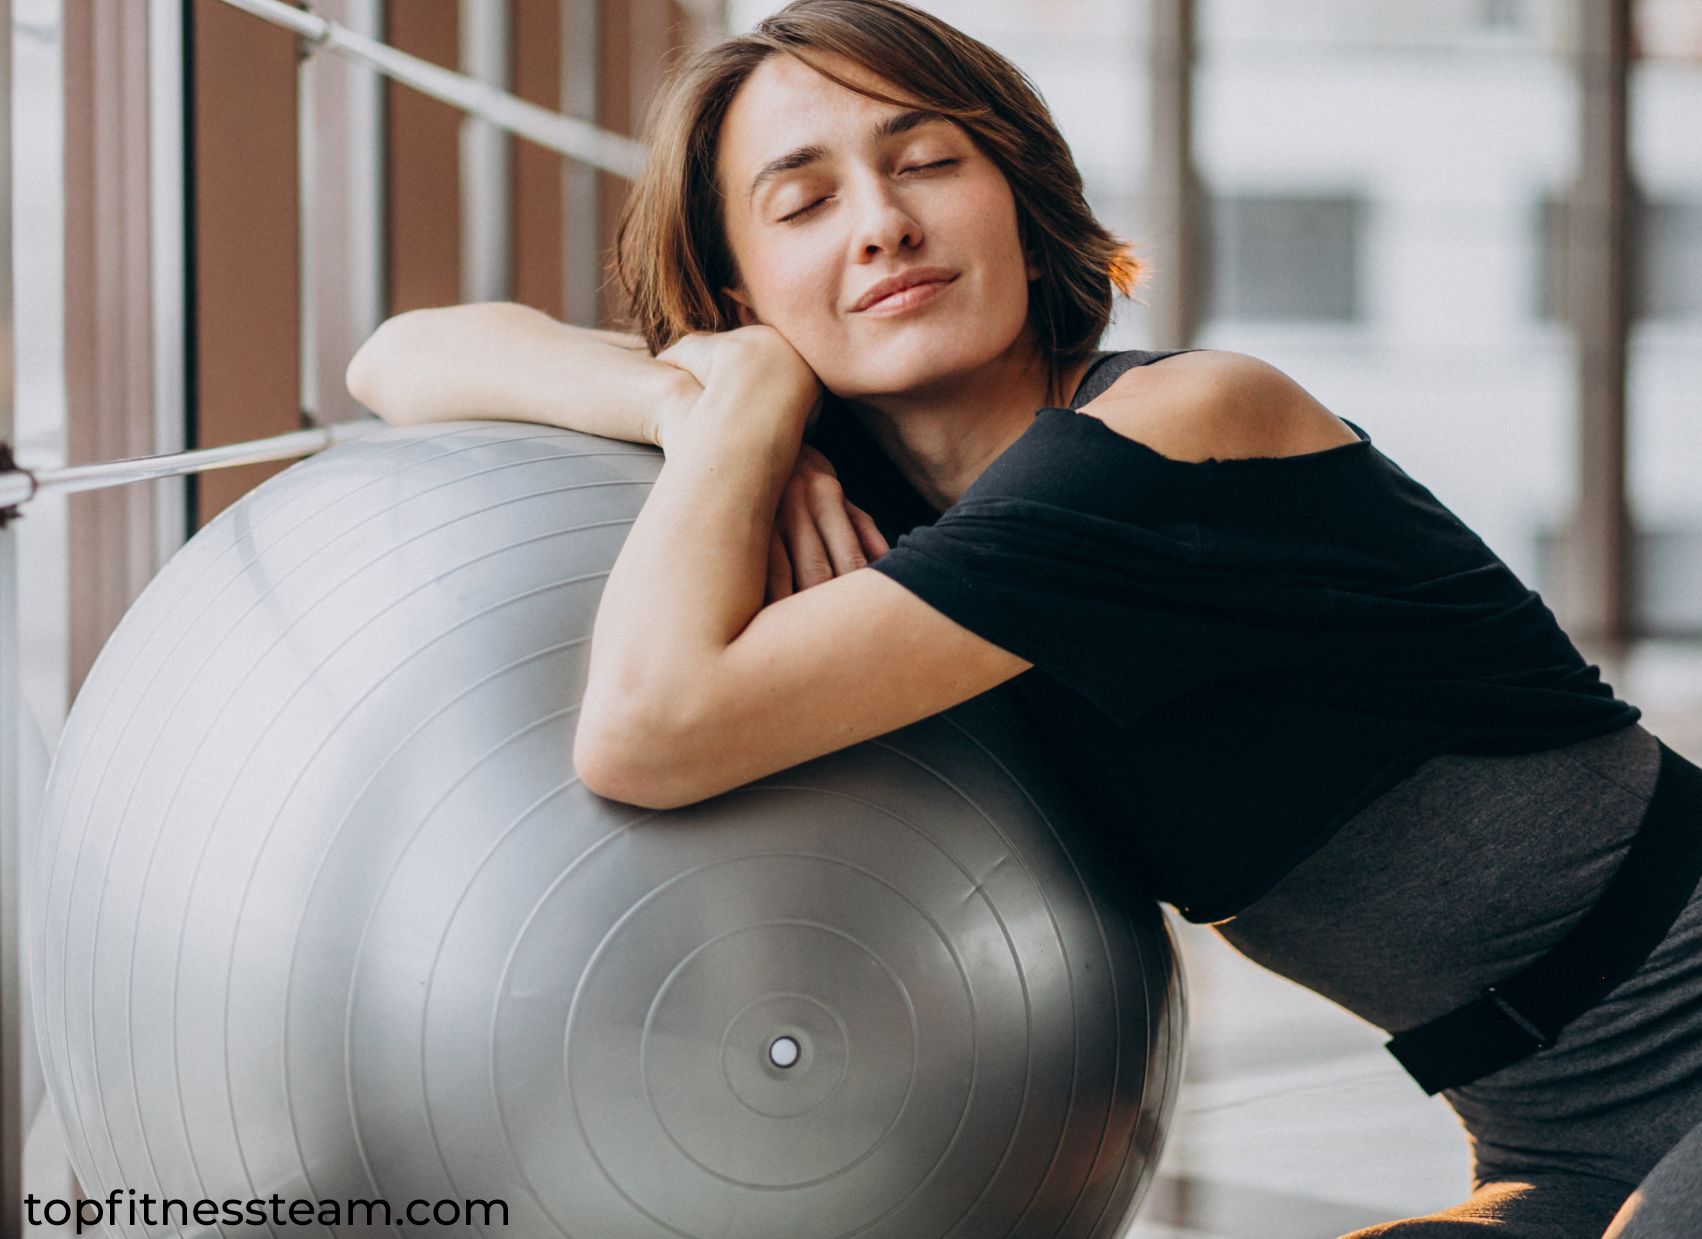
1597,592
1174,202
245,224
108,376
422,164
537,72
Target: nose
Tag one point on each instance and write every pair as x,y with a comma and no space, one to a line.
883,224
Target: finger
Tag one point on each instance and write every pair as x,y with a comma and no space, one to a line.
873,540
843,544
810,562
779,569
692,353
810,458
838,535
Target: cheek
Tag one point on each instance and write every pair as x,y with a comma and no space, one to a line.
993,209
802,299
1008,237
784,277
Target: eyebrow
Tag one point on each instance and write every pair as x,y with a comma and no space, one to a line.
892,126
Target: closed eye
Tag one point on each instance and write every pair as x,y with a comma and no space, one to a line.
801,212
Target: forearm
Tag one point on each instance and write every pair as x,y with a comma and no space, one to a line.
691,574
509,362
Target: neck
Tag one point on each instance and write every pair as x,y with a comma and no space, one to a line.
942,438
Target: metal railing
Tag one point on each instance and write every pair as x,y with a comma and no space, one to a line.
11,723
566,135
19,485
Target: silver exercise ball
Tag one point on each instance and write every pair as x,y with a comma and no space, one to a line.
322,912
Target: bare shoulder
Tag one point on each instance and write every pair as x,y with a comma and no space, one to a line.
1217,405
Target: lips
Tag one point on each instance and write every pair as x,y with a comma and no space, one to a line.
903,280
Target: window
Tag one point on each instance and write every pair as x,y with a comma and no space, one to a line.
1666,258
1500,14
1289,257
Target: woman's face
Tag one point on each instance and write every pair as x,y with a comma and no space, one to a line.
828,192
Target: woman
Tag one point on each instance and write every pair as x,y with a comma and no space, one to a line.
1303,699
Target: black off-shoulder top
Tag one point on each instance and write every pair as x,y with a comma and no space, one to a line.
1231,657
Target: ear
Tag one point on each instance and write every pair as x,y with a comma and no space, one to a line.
740,307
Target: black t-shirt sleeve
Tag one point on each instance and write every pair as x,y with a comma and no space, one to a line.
1232,656
1331,580
1123,621
1046,556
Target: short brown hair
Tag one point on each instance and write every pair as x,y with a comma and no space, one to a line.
671,251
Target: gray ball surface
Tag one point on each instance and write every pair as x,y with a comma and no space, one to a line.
322,911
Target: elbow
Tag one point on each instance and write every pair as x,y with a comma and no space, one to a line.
630,761
606,771
373,360
399,371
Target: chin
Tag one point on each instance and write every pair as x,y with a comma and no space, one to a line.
913,361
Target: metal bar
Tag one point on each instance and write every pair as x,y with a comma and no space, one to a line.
339,126
12,1130
11,724
308,239
566,135
1172,189
167,262
1598,589
486,179
18,486
581,231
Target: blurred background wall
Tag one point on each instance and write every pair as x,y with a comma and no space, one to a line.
1377,200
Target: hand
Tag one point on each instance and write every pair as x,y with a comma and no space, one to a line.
818,533
673,409
754,362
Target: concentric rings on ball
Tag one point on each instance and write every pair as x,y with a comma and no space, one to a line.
325,913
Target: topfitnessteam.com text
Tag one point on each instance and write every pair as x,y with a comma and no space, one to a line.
127,1207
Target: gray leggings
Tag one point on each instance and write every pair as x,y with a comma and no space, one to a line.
1461,874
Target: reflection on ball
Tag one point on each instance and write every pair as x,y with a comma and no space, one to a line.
322,911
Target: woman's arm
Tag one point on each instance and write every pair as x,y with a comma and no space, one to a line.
694,686
510,362
513,363
693,690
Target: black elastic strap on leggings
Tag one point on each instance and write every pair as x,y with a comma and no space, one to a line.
1522,1014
